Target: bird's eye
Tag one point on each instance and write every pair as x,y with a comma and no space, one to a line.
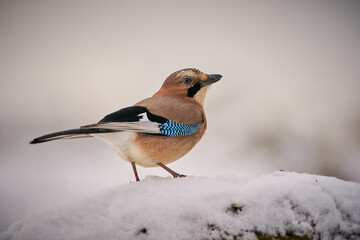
186,80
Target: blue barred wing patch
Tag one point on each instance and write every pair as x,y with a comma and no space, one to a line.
173,129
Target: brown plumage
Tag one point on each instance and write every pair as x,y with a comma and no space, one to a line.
139,134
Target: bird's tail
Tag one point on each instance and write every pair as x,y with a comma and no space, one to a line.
70,134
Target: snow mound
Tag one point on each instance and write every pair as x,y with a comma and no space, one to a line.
227,207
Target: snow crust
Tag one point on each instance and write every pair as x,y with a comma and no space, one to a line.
204,208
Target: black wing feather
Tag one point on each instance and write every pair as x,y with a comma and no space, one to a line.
132,114
75,133
129,114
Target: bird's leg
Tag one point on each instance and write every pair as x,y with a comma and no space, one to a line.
175,174
135,171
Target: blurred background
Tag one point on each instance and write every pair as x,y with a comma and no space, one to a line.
289,97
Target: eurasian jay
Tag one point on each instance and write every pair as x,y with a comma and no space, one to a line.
157,130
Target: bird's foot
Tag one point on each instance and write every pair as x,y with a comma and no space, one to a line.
173,173
177,175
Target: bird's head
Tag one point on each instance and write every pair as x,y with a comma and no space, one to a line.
188,83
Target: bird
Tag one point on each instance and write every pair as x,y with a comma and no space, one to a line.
157,130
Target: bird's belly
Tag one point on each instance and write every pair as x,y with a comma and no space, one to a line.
162,149
123,143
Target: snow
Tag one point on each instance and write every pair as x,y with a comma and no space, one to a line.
204,208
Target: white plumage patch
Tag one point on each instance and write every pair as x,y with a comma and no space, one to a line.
142,126
123,145
143,117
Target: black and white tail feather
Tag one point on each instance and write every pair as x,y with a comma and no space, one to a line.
134,119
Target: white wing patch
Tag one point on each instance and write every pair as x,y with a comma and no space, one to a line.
142,126
143,117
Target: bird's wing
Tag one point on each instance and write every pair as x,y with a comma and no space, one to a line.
141,119
135,118
174,109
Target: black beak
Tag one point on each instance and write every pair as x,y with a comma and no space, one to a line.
212,79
